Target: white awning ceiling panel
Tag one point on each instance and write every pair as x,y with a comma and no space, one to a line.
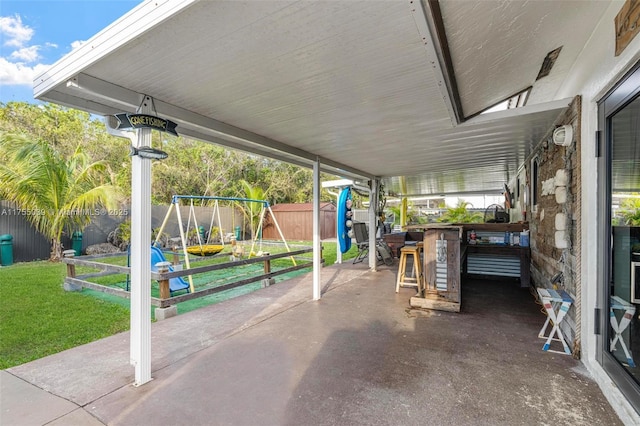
508,41
349,81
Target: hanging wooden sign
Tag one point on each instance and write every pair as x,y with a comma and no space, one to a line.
144,121
627,24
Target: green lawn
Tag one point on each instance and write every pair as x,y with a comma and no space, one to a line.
38,318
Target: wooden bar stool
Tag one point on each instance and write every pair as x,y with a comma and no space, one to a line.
410,281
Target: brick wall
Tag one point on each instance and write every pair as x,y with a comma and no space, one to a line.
554,249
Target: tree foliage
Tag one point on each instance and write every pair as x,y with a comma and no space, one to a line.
57,194
413,216
192,168
460,214
629,211
251,209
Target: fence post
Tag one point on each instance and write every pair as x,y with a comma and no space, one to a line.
163,268
267,270
71,268
165,293
71,272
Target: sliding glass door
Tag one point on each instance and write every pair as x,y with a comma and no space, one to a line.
619,189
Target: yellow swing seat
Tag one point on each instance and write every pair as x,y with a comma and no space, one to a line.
205,250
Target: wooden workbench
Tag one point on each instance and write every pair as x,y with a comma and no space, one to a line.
443,256
443,277
501,260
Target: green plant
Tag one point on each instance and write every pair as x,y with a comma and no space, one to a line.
250,209
214,234
58,194
163,239
460,214
413,216
630,211
121,236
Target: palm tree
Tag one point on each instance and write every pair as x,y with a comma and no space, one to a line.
460,214
58,194
413,217
252,209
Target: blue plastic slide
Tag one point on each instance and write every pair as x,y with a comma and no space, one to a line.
175,284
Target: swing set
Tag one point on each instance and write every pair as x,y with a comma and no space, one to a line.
206,247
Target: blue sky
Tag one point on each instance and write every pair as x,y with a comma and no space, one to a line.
34,34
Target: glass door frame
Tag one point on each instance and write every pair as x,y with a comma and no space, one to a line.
626,90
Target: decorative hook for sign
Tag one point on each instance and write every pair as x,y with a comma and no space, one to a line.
147,98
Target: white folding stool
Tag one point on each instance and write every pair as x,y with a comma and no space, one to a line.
557,305
616,303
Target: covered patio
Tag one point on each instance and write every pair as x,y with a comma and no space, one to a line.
360,356
386,93
376,92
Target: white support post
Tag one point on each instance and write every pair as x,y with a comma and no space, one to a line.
317,251
373,223
141,256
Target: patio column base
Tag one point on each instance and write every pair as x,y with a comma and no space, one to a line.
165,313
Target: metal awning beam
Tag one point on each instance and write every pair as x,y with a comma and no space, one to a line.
193,124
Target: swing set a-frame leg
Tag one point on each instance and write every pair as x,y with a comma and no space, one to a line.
184,249
262,214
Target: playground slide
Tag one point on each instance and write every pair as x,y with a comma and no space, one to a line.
175,284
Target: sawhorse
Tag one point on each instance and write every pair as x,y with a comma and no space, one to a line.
556,304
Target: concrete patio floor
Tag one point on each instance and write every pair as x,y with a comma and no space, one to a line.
359,356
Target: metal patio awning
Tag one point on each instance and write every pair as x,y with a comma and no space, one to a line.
360,85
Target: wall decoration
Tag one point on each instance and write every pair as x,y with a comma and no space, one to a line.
627,24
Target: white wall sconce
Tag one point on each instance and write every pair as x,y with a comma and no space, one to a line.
563,135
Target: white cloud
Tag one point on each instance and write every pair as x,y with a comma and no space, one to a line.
20,66
19,74
14,32
77,43
26,54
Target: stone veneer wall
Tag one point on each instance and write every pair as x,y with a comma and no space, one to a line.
555,222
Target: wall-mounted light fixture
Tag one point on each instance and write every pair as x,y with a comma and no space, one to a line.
563,135
148,152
